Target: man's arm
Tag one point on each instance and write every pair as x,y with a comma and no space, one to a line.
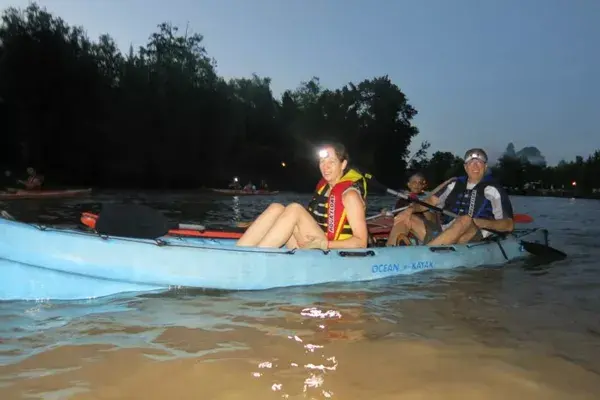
432,200
502,209
501,225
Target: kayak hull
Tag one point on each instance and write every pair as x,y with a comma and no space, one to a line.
233,192
41,262
43,194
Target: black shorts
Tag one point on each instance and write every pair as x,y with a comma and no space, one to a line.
433,229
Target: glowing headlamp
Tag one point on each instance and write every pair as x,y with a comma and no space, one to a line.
323,153
475,156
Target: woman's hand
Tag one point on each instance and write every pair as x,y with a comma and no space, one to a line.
314,242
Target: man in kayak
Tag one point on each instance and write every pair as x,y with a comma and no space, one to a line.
33,182
479,201
334,219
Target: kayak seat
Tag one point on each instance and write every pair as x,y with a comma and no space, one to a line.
132,220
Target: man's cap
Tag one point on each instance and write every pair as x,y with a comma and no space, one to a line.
476,153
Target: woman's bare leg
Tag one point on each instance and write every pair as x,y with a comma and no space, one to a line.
294,216
259,228
292,243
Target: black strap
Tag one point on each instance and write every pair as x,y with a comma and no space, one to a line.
132,220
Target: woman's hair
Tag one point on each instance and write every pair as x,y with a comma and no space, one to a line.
340,150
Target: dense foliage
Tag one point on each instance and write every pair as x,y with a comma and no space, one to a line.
83,113
161,116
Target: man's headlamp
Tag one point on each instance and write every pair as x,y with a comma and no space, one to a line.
323,153
475,154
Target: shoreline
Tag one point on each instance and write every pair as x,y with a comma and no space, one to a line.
568,194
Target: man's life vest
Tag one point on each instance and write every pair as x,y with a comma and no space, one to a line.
472,202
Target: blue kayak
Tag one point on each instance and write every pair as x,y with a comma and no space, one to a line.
43,262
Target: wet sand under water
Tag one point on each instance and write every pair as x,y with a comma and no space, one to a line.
337,348
349,368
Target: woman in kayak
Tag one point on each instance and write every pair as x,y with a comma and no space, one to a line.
335,217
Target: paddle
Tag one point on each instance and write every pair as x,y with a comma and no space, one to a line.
537,249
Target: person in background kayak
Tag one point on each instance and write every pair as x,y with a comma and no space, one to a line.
479,201
334,219
33,181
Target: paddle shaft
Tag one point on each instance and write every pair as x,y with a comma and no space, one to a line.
382,214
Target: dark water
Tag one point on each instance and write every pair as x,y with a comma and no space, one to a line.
476,334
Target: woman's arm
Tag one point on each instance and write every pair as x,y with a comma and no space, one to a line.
355,212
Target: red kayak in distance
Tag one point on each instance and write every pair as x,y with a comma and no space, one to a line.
242,192
42,194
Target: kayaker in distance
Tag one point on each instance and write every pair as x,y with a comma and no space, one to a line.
335,217
33,182
235,184
479,201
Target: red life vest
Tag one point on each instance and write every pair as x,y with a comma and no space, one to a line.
329,210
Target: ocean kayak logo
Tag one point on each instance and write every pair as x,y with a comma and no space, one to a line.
414,266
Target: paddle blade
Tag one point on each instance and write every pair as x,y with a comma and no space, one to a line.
541,250
522,218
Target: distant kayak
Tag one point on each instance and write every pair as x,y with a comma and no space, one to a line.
241,192
43,194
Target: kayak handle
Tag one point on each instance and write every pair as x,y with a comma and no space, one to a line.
440,249
367,253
